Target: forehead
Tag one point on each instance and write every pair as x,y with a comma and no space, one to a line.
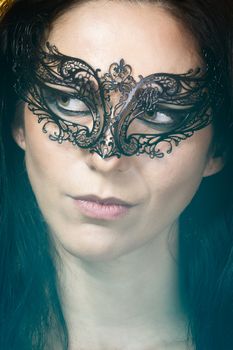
147,36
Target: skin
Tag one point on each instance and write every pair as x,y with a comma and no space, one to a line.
103,263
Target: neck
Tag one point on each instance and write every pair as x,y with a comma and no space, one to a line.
132,294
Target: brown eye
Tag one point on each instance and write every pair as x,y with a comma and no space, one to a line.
63,101
68,107
71,104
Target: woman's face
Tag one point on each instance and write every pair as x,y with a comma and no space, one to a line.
151,41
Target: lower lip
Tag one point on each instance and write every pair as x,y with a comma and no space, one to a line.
96,210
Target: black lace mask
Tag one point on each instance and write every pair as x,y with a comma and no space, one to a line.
112,114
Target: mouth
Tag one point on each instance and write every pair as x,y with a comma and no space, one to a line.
102,208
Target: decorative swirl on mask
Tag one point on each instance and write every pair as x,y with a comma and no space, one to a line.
73,78
184,101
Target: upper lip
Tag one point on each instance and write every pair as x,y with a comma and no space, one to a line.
104,201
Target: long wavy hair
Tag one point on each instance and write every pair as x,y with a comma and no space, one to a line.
30,308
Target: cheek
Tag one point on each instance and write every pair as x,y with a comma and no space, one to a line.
41,162
47,161
173,180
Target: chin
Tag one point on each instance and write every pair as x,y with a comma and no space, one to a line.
95,254
92,245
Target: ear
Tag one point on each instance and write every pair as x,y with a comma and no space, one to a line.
17,126
19,136
214,165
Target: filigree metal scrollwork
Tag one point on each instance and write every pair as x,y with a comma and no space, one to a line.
113,114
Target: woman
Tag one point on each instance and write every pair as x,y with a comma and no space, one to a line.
116,141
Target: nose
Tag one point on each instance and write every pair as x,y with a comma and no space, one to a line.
107,165
106,160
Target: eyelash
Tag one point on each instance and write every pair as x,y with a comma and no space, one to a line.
70,99
175,119
157,113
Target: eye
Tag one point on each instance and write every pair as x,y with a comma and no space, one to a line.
71,104
68,107
158,118
65,105
159,121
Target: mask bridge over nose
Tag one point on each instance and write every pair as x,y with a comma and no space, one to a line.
106,146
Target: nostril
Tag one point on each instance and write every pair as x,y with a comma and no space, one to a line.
106,163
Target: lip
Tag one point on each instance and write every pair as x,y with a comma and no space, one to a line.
110,208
